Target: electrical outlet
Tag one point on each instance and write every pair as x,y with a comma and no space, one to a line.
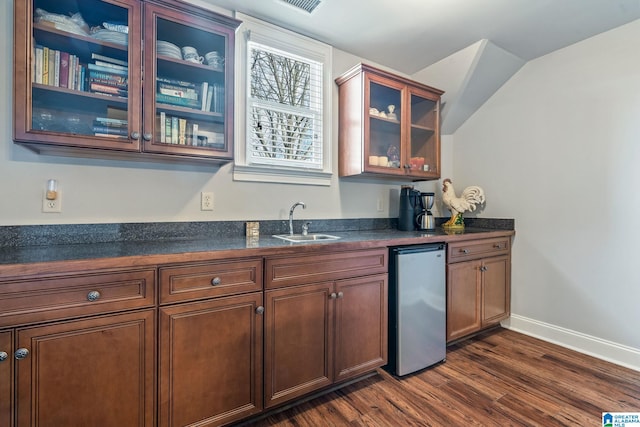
206,201
52,206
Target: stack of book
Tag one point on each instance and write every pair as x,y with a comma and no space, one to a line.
112,128
108,76
57,68
179,93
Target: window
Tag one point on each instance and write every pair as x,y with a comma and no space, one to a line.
283,97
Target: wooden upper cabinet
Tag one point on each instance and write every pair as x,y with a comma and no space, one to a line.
79,69
389,125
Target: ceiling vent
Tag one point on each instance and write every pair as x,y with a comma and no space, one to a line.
306,5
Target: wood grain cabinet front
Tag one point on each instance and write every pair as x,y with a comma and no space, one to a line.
211,361
6,378
62,296
318,333
478,285
89,372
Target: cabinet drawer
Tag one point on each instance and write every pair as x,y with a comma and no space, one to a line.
60,297
295,270
473,249
211,279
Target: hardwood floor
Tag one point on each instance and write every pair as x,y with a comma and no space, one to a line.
500,378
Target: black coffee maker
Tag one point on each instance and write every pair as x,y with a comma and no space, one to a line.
410,207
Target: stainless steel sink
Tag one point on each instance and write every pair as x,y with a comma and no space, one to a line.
302,238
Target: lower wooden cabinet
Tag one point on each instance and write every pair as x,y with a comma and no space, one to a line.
211,361
6,378
322,333
95,371
478,286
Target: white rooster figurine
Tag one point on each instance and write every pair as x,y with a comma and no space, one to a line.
471,196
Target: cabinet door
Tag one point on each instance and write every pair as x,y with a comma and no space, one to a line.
496,285
210,361
463,299
96,371
361,325
298,341
423,144
76,83
6,379
189,101
383,133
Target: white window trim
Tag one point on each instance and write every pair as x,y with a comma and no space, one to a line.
279,38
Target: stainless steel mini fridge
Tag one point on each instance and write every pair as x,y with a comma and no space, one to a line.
417,307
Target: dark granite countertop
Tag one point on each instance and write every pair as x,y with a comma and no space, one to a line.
210,245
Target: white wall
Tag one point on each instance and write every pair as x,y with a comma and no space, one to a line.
558,149
100,191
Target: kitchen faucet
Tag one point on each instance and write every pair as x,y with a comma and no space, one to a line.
291,215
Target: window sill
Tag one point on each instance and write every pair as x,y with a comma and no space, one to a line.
281,175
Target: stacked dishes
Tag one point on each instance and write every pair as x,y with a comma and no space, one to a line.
111,36
168,49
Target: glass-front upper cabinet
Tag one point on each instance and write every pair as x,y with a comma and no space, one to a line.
143,76
388,125
77,82
188,100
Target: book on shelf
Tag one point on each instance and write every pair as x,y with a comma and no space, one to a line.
182,131
209,98
176,82
176,100
56,68
109,135
163,133
108,82
174,130
52,67
94,67
110,130
203,98
108,121
112,66
64,69
103,58
178,91
167,127
194,134
45,66
110,90
37,74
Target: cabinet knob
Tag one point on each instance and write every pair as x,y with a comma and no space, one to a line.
484,268
260,310
135,135
497,246
3,356
216,281
147,136
93,296
21,353
340,294
464,251
333,295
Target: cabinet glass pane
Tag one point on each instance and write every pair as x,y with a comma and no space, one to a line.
384,126
423,148
190,86
80,76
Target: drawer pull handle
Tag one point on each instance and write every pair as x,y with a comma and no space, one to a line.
21,353
497,246
484,268
93,296
340,294
216,281
464,251
333,295
3,356
260,310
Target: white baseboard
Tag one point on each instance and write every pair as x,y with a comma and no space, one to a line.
602,349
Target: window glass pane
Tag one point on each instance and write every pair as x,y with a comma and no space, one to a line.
284,109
